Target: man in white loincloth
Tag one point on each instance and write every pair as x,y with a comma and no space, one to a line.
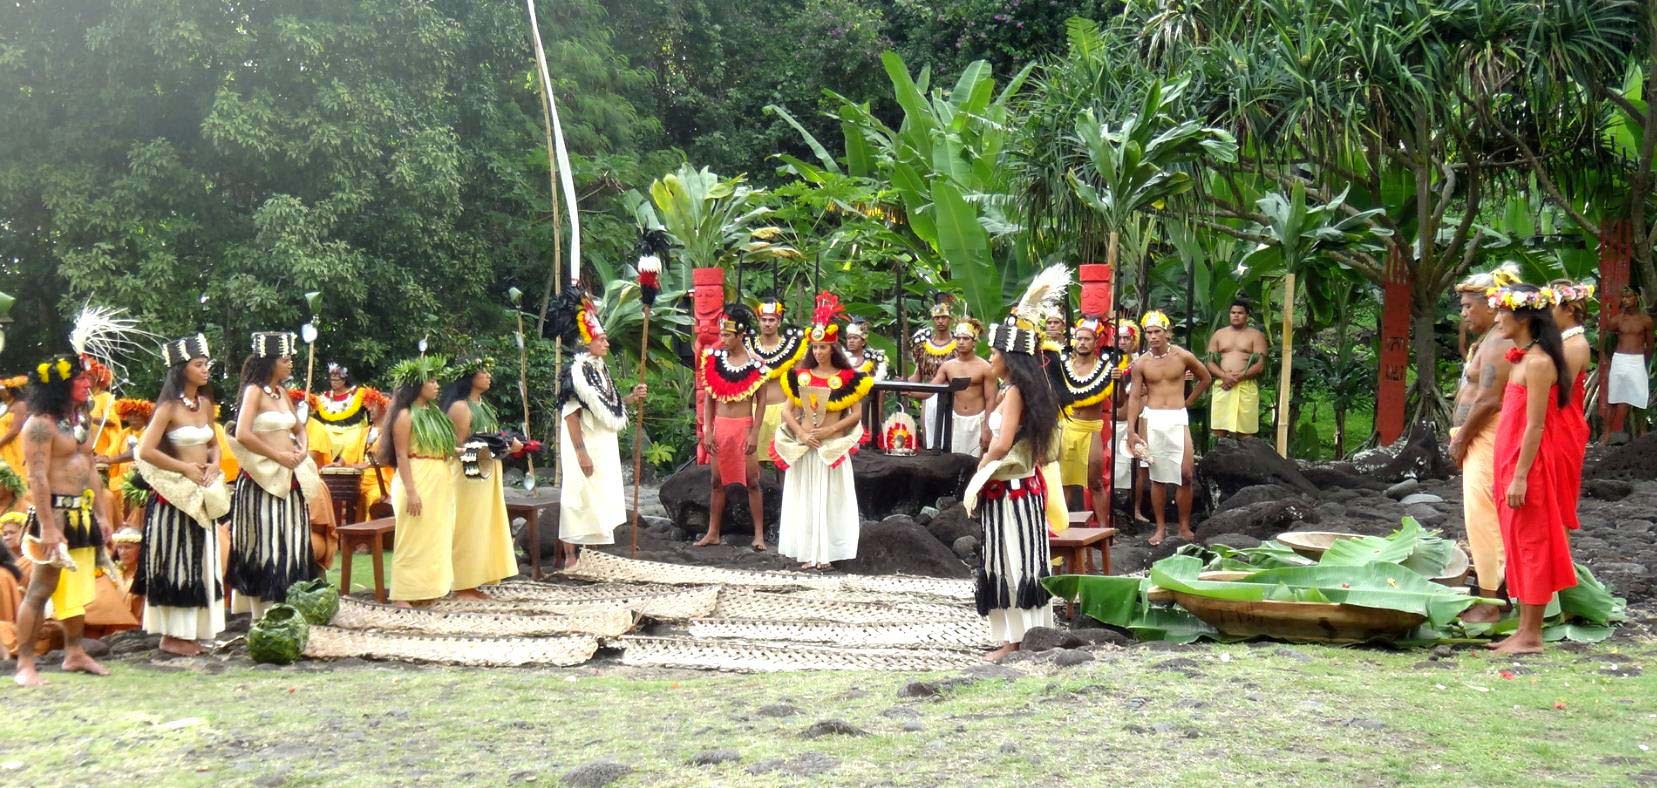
967,433
1629,385
1158,396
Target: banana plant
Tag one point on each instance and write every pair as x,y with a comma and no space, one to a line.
1139,164
714,220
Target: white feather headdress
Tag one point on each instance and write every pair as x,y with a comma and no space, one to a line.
110,335
1022,330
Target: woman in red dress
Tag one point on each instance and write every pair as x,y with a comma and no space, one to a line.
1570,312
1535,461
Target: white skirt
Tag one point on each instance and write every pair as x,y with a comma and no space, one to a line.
590,508
1166,442
819,511
1629,384
966,434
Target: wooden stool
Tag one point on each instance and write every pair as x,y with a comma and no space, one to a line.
371,534
1076,545
531,511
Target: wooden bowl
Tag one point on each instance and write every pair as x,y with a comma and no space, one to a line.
1312,544
1455,572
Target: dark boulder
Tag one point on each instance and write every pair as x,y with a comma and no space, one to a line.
1331,478
1261,520
1235,541
1258,493
953,523
897,545
1232,465
889,484
1417,455
685,497
1633,461
1607,489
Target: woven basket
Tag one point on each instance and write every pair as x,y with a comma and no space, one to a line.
1323,622
336,643
763,656
604,622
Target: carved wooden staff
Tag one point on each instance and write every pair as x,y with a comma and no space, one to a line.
517,297
650,268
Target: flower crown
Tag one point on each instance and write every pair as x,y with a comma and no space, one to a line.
61,368
1510,298
416,371
141,408
1572,293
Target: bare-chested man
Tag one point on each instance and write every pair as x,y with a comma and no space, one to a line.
777,348
57,441
1236,357
1159,398
1473,434
931,349
735,383
1630,385
967,433
1087,372
1054,328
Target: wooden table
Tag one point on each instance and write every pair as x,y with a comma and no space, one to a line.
530,509
371,534
1076,545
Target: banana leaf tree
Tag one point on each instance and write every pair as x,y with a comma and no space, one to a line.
715,221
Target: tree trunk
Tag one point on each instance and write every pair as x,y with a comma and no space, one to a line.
1429,401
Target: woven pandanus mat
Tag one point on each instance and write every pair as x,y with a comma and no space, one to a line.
604,622
673,604
563,650
940,634
759,605
763,656
603,567
519,591
909,586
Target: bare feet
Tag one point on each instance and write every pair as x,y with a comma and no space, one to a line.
27,676
1186,533
180,647
1156,538
1515,644
1001,653
1482,614
402,603
471,593
84,663
759,547
708,538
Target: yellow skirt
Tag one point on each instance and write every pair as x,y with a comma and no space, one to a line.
483,535
422,564
769,421
12,454
76,587
1075,442
1237,410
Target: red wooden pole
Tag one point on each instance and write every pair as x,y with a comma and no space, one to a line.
1615,256
708,300
1395,348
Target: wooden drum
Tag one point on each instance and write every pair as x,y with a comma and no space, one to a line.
343,485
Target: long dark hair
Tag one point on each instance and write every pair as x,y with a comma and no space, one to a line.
172,385
841,359
256,371
458,390
386,450
1544,333
1033,379
54,398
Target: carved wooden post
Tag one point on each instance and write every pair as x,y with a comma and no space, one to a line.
708,303
1098,299
1615,256
1395,348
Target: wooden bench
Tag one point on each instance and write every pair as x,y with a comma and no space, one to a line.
372,534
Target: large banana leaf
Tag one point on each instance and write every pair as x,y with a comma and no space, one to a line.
966,246
1121,602
1377,584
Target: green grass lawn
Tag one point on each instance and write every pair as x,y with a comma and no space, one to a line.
1259,714
362,571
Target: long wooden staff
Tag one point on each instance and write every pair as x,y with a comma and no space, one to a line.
649,284
523,382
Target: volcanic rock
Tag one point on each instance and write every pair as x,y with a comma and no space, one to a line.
1232,465
1261,520
899,545
685,497
889,484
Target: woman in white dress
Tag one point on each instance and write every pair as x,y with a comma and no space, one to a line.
822,427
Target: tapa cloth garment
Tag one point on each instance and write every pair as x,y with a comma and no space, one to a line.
483,550
204,505
590,507
178,574
422,564
1538,552
270,546
1123,458
1165,440
1478,508
270,474
820,522
769,421
966,434
1075,444
1235,410
1012,504
1629,384
730,437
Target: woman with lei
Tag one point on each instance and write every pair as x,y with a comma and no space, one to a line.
270,529
483,552
821,429
178,564
421,449
1534,459
592,499
1010,491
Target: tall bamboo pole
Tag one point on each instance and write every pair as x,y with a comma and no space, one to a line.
1287,370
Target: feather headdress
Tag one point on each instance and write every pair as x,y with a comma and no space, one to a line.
824,315
107,336
1023,330
415,371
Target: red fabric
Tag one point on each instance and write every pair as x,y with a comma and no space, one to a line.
1576,425
730,438
1538,553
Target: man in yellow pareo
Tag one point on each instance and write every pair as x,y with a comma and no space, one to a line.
779,349
1086,372
1236,358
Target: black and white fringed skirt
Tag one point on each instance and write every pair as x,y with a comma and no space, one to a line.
270,546
1015,558
178,574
